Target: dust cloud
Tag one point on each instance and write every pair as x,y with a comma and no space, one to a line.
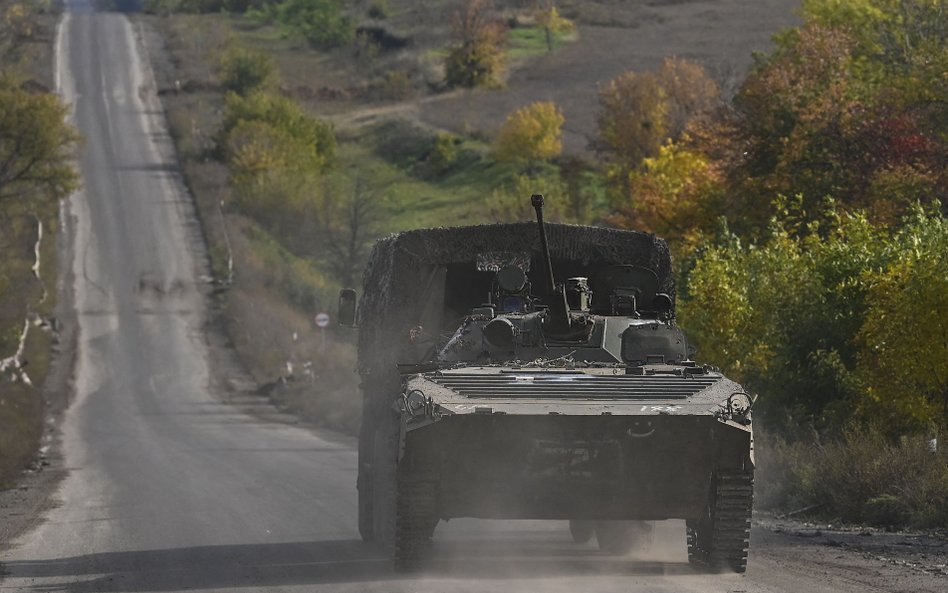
525,553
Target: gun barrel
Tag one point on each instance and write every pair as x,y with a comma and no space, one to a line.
537,201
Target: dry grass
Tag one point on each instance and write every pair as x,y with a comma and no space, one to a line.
859,477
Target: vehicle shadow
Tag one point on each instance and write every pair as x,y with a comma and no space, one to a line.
268,566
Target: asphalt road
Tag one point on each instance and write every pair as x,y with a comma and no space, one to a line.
169,489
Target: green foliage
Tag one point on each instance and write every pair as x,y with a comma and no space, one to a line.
530,134
444,153
378,9
245,70
904,335
508,203
290,275
313,137
795,317
201,6
567,201
321,22
477,57
36,145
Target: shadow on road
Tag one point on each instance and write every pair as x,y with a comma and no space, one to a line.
266,566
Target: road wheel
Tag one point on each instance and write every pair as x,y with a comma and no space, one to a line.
718,541
582,531
415,519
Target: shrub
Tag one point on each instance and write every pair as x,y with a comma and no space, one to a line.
316,138
859,477
378,9
444,153
321,22
244,70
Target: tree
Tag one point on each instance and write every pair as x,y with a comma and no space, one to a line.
477,57
36,145
852,104
674,194
548,17
530,134
348,221
903,339
633,119
689,90
640,111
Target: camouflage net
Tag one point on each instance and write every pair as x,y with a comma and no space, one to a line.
398,278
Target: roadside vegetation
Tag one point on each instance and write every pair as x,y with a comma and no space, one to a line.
804,203
36,171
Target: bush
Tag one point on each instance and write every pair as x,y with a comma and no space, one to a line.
315,137
244,70
860,477
321,22
378,9
444,153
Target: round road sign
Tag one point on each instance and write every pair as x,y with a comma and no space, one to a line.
322,319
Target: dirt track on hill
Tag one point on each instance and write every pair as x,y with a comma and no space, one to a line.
721,35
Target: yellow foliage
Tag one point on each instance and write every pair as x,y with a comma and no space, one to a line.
18,18
531,133
548,17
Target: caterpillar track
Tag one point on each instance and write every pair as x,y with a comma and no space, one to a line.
719,540
416,515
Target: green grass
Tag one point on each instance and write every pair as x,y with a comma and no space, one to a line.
528,42
391,156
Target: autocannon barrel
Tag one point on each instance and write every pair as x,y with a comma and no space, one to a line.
556,297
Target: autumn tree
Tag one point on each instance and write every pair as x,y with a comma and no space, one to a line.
640,111
477,57
675,193
554,25
848,106
530,134
633,119
689,91
36,145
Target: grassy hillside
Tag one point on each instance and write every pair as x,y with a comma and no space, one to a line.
419,152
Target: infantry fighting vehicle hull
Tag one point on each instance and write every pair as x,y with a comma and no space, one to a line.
491,391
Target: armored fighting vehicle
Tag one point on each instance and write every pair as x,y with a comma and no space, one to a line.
532,371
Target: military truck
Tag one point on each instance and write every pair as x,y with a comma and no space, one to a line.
535,371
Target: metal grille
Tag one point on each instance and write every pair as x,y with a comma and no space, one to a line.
573,385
